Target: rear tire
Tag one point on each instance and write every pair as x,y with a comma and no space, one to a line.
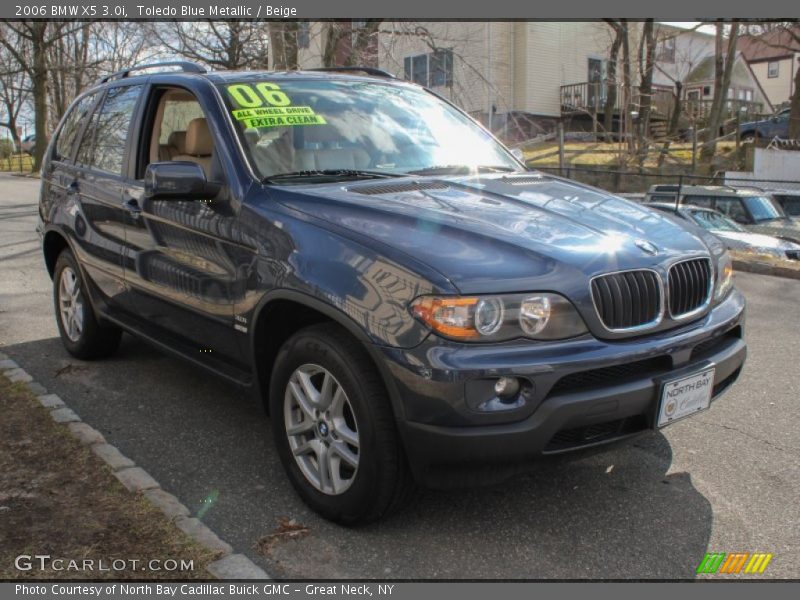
82,335
334,428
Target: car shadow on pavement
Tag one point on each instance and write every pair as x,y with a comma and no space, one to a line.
612,513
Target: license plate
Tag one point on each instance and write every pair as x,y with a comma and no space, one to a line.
686,396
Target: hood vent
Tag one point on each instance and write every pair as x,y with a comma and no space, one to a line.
399,188
528,179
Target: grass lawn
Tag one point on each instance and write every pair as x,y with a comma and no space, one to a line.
57,498
20,163
602,154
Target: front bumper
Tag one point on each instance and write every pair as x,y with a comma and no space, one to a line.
586,392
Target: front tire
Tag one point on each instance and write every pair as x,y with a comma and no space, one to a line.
334,428
82,335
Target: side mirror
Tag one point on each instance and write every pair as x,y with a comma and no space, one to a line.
179,180
518,154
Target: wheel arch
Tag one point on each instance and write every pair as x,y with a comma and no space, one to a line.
53,244
282,313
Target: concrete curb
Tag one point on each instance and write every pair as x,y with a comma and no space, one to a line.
761,268
137,480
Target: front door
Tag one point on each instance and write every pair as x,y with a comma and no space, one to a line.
181,263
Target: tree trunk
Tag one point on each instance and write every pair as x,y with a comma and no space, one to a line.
283,38
39,90
723,68
334,32
611,85
675,119
647,56
627,90
794,114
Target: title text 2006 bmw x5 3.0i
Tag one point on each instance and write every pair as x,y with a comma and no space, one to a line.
411,304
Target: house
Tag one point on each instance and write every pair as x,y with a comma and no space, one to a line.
509,75
774,58
746,98
521,77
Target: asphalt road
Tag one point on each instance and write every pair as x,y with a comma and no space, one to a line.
725,481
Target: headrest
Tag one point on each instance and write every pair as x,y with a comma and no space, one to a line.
177,139
321,134
198,138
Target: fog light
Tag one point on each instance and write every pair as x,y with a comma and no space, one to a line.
506,387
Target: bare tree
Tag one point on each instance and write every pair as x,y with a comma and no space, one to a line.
283,44
611,78
14,93
226,45
723,68
29,43
647,59
348,43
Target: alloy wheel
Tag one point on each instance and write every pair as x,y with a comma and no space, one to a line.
70,303
321,429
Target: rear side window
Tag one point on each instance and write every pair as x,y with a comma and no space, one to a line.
104,144
733,208
701,201
72,125
791,204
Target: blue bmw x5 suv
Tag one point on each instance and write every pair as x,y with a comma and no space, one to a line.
407,299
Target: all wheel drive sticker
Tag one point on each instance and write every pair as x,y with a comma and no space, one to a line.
265,105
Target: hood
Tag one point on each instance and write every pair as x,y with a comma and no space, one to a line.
789,229
502,233
755,240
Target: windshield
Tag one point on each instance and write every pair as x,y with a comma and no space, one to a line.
763,208
317,125
714,221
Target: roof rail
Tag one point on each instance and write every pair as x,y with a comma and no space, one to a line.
368,70
185,65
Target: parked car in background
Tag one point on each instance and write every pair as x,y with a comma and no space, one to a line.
753,208
789,201
731,233
776,126
28,144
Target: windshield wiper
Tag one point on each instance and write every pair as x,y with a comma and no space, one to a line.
459,169
329,173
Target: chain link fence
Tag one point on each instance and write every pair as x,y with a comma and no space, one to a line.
637,183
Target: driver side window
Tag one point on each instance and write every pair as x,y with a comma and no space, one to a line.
180,131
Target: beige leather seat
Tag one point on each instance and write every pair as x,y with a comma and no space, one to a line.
176,144
327,151
198,144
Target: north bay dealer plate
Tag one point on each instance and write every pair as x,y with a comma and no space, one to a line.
684,397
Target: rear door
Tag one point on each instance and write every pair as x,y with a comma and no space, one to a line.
98,184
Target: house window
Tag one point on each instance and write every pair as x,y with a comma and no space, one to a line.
441,68
706,90
303,35
666,50
773,68
432,70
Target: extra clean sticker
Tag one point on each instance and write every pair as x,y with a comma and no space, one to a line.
277,116
265,105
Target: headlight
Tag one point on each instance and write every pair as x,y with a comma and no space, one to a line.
724,277
540,316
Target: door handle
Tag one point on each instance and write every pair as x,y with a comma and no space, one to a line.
132,206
